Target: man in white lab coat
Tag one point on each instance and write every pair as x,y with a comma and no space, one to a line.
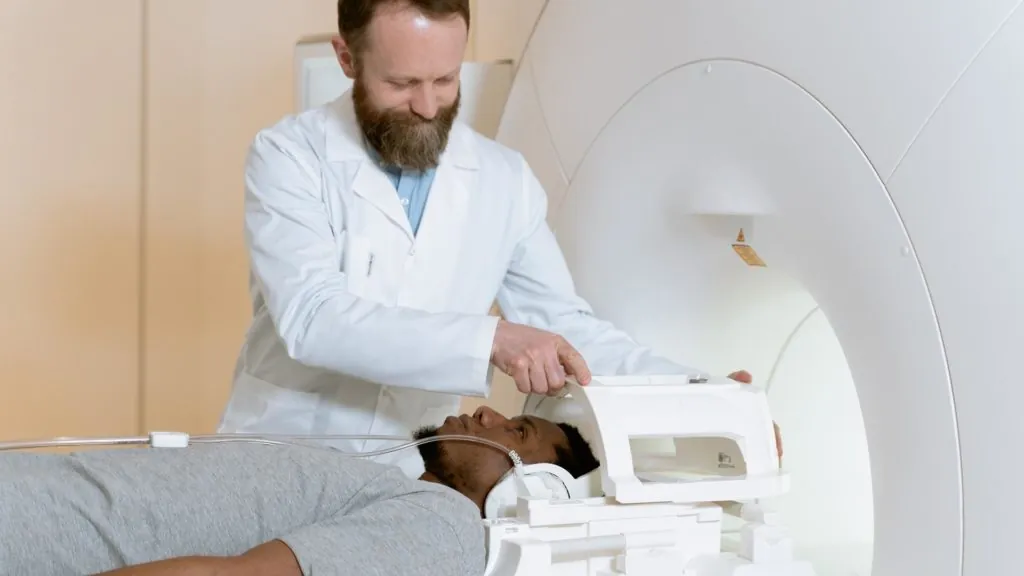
380,233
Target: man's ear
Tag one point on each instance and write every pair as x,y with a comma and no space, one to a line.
345,57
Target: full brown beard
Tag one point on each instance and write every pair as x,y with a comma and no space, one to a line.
404,139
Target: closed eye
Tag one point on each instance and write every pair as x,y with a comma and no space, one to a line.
526,427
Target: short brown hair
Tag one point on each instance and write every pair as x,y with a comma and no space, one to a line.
354,16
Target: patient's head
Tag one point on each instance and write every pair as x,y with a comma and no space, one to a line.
473,468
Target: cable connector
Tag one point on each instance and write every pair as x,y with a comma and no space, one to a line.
168,440
517,472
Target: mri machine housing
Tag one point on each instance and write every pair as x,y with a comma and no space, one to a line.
871,151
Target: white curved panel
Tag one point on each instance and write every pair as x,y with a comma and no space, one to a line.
834,229
814,399
523,127
961,193
881,66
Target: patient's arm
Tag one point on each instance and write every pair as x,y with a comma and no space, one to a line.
271,559
426,533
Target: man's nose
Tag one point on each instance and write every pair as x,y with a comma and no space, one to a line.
424,103
488,417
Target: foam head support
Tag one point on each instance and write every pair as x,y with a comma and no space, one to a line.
539,481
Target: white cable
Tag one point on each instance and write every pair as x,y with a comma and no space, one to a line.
183,440
785,347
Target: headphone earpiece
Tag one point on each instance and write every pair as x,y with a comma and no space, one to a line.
539,481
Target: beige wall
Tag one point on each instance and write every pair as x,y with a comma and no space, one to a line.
217,71
125,127
501,28
70,128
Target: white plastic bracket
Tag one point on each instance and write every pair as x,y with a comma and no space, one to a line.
168,440
723,433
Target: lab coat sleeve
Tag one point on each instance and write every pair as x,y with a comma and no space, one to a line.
539,291
294,259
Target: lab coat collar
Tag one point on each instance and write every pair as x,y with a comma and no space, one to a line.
345,139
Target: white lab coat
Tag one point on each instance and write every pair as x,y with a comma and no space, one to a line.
361,328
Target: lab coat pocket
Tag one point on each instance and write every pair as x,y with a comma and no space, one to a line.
358,264
258,406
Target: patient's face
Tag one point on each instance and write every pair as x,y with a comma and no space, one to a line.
473,468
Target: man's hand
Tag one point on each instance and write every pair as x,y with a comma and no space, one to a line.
538,361
744,377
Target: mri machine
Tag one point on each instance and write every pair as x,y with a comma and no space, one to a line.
870,152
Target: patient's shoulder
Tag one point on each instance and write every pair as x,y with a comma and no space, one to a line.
456,510
422,530
446,514
444,522
450,525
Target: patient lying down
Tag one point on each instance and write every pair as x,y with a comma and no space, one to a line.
259,510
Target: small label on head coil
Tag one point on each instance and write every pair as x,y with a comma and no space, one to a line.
746,252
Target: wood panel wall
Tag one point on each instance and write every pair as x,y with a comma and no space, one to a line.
70,243
123,131
218,71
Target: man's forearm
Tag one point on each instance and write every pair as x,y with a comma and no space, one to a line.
198,566
274,558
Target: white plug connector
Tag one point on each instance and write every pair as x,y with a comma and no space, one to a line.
168,440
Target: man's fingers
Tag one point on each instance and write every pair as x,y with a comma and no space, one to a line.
574,363
538,379
520,372
556,376
742,377
523,384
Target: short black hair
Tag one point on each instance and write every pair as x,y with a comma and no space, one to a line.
576,457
